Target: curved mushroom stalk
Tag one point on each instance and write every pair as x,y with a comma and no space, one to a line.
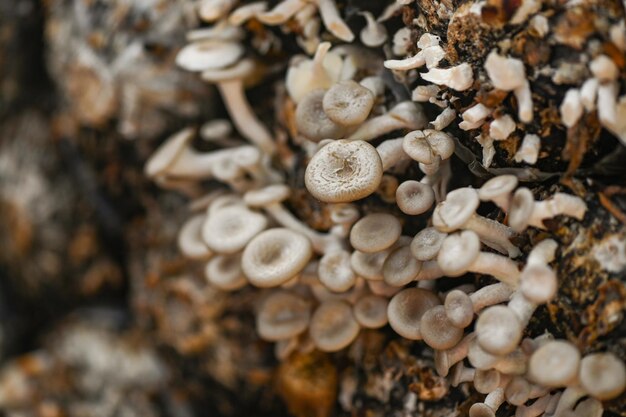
404,115
282,12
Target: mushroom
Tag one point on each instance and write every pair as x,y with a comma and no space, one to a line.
492,402
414,198
437,331
475,116
460,373
517,391
459,78
460,253
426,146
461,307
509,74
344,171
525,211
445,359
499,330
209,54
555,364
602,375
404,115
347,103
176,158
369,265
333,21
282,316
282,12
400,267
486,380
536,409
307,75
538,282
242,14
190,240
333,326
335,271
229,231
375,232
224,272
458,212
275,256
312,121
374,33
406,309
370,311
426,244
212,10
498,189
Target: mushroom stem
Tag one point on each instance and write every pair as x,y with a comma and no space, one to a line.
524,102
461,374
492,402
404,115
374,33
282,12
499,267
559,204
245,120
493,234
445,359
490,295
333,21
568,400
535,409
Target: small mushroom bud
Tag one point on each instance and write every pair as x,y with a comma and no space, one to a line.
282,316
426,244
370,311
498,189
344,171
275,256
347,103
554,364
375,232
333,326
312,121
406,309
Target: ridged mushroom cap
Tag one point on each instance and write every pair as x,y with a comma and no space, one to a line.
406,309
458,207
555,364
375,232
458,252
313,122
603,375
344,171
414,198
348,103
224,272
426,243
275,256
370,311
498,330
333,326
230,230
282,315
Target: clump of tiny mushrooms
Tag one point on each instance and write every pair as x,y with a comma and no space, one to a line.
325,287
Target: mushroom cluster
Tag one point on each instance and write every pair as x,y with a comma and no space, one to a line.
369,263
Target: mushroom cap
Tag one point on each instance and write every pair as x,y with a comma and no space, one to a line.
486,380
459,206
335,272
369,265
209,54
370,311
282,316
498,330
414,198
243,69
501,185
167,153
224,272
348,103
521,208
400,267
437,331
265,196
275,256
440,142
375,232
481,410
190,240
458,252
382,288
303,76
406,309
426,243
344,171
555,364
333,326
230,230
603,375
417,147
344,213
313,122
517,391
459,308
538,283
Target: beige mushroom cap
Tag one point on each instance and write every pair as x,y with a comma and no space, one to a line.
344,171
406,309
496,187
437,330
167,153
275,256
555,364
333,326
370,311
230,230
426,243
538,283
414,198
603,375
427,145
459,308
481,410
313,122
224,272
401,267
208,54
369,265
190,240
335,271
521,209
263,197
348,103
498,330
282,316
375,232
458,207
458,252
